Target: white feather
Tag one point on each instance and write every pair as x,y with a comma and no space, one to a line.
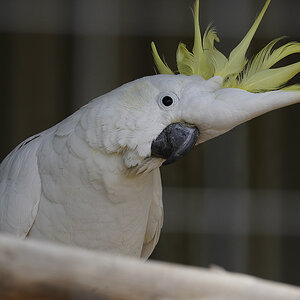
90,181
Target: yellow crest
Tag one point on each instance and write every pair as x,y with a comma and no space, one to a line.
254,75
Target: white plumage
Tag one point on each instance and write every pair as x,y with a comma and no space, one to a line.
91,180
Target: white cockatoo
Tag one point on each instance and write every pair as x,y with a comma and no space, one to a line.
93,180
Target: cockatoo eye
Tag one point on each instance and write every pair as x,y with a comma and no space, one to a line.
167,100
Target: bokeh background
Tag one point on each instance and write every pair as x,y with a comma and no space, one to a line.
235,200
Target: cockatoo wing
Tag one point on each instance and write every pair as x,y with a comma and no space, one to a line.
155,218
20,188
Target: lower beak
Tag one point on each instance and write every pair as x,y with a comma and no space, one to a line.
174,142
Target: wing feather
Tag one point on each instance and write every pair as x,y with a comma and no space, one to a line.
155,218
20,188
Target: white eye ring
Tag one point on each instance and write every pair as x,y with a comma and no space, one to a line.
167,100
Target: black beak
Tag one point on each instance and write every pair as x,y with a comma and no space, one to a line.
174,142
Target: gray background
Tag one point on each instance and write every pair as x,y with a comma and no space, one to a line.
234,201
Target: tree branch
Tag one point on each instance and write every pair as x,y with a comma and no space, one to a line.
37,270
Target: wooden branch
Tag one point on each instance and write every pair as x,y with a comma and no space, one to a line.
37,270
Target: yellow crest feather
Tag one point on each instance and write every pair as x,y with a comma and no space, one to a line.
237,58
161,66
255,75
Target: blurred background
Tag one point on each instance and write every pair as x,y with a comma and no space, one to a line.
235,200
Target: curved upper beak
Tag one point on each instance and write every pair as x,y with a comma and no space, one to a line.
174,142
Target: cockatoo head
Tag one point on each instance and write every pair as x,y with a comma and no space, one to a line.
193,110
163,116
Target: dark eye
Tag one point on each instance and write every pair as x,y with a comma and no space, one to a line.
167,101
